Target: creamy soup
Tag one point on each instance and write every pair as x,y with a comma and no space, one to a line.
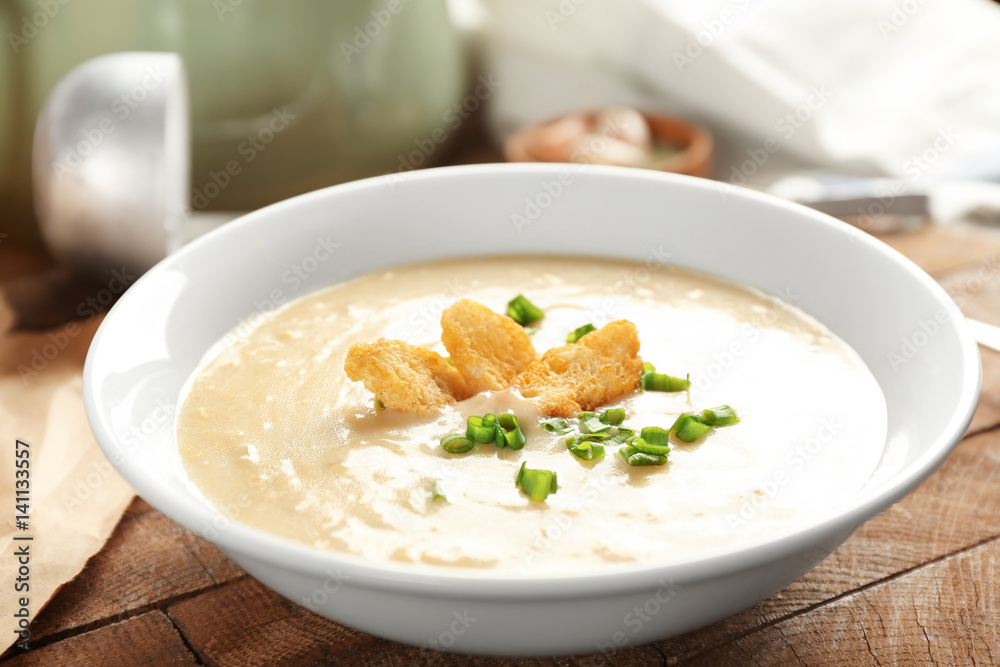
272,429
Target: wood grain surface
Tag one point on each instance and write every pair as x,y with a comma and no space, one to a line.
918,584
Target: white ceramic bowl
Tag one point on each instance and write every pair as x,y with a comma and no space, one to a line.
908,331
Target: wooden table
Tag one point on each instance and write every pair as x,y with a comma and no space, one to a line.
919,584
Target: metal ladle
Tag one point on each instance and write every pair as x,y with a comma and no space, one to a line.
111,164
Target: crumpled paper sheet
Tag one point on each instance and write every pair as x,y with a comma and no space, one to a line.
863,87
76,496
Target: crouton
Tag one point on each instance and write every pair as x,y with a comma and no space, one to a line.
405,377
488,349
601,366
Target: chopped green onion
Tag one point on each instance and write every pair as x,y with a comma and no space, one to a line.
662,382
655,435
642,445
580,332
523,311
689,428
508,431
379,406
481,429
613,416
585,449
538,484
555,425
648,367
721,415
634,457
457,443
594,437
591,423
450,362
621,437
437,491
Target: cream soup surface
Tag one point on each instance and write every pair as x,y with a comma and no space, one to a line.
273,433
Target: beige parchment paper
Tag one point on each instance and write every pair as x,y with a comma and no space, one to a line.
76,497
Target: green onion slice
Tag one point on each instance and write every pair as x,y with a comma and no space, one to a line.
634,457
437,491
655,435
662,382
621,437
523,311
594,437
457,443
585,449
648,367
555,425
538,484
721,415
642,445
689,428
508,431
613,416
379,406
591,423
481,429
580,332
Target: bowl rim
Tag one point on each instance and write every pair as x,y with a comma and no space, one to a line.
243,541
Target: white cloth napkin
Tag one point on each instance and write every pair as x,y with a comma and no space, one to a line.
907,89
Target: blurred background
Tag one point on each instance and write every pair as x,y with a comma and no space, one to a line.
129,127
838,106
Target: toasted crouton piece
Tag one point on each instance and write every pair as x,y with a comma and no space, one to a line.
488,349
603,365
405,377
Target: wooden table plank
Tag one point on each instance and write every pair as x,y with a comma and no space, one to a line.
941,614
251,625
150,639
942,249
147,560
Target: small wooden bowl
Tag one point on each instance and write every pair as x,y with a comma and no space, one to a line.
693,141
